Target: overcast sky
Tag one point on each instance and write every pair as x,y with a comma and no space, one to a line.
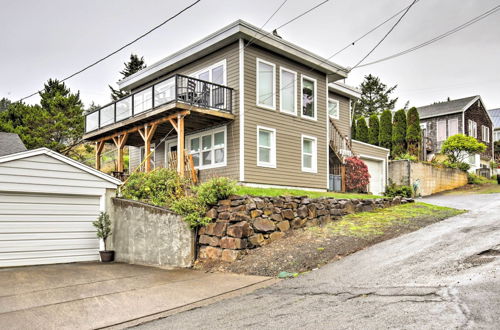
54,38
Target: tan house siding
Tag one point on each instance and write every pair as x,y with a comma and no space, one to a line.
344,121
289,128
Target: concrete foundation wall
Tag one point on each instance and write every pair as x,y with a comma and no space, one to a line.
429,179
149,235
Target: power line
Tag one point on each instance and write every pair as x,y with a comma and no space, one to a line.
386,35
439,37
121,48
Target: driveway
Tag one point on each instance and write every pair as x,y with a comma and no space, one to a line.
444,276
94,295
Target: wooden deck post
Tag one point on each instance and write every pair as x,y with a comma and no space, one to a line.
147,135
343,177
180,145
120,141
99,145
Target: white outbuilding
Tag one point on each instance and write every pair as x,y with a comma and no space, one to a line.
47,204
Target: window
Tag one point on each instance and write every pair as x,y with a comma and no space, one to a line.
208,148
333,108
308,97
485,133
215,73
441,130
288,91
308,154
266,84
452,126
496,135
266,147
472,128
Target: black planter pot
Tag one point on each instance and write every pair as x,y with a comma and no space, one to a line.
107,256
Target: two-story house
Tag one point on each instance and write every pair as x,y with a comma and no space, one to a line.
467,116
495,116
240,103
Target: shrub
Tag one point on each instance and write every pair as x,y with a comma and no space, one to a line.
394,190
215,189
461,165
407,156
458,147
477,179
374,130
191,209
103,226
362,130
357,176
399,134
413,132
385,135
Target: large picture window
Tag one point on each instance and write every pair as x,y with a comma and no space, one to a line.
309,154
208,148
288,91
266,84
308,97
266,147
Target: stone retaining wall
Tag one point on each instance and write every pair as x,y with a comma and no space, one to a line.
245,222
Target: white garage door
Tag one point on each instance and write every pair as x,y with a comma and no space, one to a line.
376,170
47,228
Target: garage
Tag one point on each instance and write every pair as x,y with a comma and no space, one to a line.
376,170
375,158
47,205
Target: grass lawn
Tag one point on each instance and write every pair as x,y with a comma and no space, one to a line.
273,192
485,188
375,223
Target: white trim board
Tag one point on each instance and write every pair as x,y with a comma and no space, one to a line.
259,185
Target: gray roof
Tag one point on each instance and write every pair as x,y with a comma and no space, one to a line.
444,108
495,117
10,143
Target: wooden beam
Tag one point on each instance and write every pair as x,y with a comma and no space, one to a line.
120,144
180,145
174,125
98,150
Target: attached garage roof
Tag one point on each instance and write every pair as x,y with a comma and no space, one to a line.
64,159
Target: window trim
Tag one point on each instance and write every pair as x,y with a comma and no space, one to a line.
438,131
496,135
209,69
471,124
338,108
294,113
210,132
272,163
485,132
314,160
448,127
257,82
302,77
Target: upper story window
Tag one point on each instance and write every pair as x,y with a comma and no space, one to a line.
333,108
309,163
485,133
496,135
441,130
288,91
308,97
266,146
215,73
266,84
472,131
208,148
452,126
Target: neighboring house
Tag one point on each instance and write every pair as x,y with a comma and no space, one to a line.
465,116
10,143
495,116
244,104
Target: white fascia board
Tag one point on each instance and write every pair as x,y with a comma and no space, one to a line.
352,93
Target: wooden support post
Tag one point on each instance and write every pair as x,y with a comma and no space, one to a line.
147,136
120,144
343,177
180,145
98,150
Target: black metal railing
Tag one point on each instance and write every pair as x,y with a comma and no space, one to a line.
177,88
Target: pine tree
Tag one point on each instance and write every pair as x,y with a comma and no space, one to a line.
353,129
375,97
362,130
4,103
385,135
399,134
413,133
132,66
373,130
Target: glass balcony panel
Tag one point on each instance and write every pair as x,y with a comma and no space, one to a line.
164,92
143,101
92,121
107,115
124,109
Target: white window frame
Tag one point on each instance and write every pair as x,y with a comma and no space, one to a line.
272,163
338,108
496,136
302,77
485,133
209,69
265,106
438,131
314,160
448,134
294,91
472,132
212,133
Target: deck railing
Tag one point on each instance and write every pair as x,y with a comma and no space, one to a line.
340,144
177,88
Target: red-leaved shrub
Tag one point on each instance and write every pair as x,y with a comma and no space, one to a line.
357,176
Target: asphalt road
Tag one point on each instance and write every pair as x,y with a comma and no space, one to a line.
434,278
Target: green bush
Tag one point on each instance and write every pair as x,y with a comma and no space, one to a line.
407,156
373,130
103,227
215,189
394,190
399,134
413,132
361,130
191,209
385,134
458,147
353,129
460,165
477,179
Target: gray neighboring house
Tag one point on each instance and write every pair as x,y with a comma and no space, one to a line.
467,116
10,143
495,117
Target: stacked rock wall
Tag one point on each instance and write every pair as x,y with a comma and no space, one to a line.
245,222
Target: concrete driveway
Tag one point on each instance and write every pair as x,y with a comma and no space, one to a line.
95,295
444,276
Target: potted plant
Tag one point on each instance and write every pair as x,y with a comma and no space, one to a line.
103,226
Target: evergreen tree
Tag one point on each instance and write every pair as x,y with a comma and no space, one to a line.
373,130
132,66
353,129
4,103
399,134
375,97
362,130
413,133
385,135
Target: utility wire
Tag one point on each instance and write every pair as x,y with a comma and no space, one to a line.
439,37
386,35
121,48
